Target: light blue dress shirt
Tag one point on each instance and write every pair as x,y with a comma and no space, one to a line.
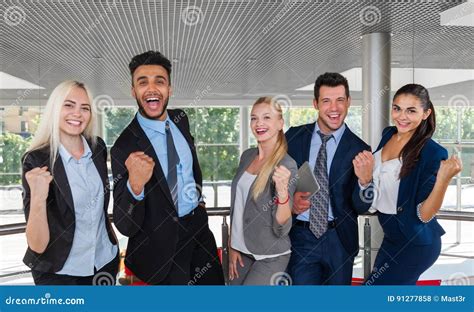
331,147
91,246
188,198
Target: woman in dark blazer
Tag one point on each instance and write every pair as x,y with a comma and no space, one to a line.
66,195
410,178
261,198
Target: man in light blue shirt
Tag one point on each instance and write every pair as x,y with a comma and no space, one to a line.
313,152
157,187
155,131
324,236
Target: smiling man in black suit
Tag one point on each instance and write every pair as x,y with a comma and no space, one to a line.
157,191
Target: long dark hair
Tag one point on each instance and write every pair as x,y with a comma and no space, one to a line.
410,153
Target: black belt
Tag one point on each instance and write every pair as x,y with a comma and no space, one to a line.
331,224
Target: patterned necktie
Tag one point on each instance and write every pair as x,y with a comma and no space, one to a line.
173,161
318,214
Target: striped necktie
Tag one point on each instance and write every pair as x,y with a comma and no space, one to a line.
173,161
318,214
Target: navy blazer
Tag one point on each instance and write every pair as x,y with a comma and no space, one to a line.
415,188
344,190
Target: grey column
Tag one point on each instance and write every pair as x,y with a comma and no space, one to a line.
375,85
376,62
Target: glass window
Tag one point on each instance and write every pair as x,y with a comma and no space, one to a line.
115,120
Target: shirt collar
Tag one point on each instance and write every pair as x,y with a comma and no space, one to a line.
64,153
155,125
337,135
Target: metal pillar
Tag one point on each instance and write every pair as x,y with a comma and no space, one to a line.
375,117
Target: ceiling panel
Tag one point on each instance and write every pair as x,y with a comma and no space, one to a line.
237,49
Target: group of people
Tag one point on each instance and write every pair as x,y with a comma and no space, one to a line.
273,230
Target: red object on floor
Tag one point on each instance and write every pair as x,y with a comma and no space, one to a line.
140,283
429,283
136,283
356,281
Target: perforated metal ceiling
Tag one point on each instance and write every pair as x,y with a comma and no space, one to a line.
233,49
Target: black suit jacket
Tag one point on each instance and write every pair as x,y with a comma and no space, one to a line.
344,191
152,223
60,207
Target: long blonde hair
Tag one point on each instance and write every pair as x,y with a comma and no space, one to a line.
47,134
279,152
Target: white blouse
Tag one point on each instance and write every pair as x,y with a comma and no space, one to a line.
237,240
386,184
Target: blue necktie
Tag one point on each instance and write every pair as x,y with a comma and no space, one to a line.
173,161
318,214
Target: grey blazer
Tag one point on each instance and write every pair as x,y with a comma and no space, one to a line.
262,233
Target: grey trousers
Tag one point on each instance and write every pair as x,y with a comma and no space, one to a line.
261,272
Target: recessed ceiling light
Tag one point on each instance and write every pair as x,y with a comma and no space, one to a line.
460,15
8,82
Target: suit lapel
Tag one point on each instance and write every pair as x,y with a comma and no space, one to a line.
145,145
306,146
341,152
385,137
245,163
62,183
101,167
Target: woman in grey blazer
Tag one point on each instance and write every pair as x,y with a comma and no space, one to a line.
261,198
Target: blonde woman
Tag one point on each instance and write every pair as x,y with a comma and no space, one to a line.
261,200
66,194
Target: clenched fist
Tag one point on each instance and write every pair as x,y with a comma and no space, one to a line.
140,168
364,166
38,180
449,168
281,177
301,202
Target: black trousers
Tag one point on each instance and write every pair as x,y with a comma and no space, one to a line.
195,261
103,277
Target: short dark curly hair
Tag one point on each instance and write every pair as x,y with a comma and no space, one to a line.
150,58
